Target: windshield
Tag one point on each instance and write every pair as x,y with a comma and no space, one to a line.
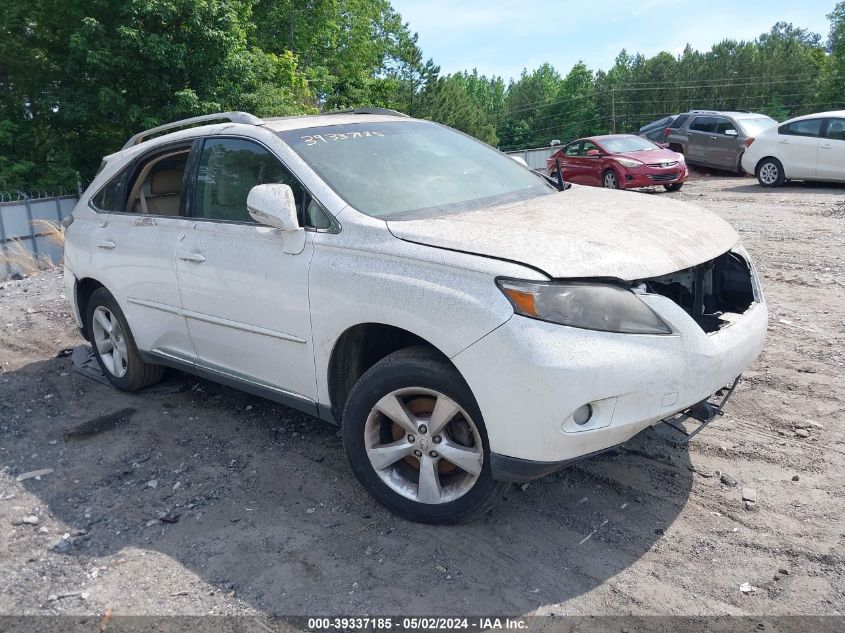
623,144
408,169
752,127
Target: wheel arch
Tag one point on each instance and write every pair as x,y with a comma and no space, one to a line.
85,287
360,347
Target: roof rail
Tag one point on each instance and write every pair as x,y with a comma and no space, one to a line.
234,117
383,111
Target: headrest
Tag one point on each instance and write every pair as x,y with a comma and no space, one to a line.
166,181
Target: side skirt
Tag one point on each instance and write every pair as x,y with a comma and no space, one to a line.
236,381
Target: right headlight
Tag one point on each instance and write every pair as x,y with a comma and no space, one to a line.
591,306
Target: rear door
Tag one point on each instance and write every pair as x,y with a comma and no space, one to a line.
142,215
244,298
701,128
798,147
831,164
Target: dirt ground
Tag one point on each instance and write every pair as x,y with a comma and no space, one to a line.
191,498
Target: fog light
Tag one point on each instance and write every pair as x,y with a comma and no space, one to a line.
582,414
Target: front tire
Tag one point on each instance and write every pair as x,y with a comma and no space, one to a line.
114,346
770,172
415,439
675,186
610,180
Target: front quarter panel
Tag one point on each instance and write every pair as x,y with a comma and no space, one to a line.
366,275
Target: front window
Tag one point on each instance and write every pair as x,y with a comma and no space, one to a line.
412,168
624,144
753,127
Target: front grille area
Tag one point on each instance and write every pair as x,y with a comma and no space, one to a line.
666,164
709,290
663,177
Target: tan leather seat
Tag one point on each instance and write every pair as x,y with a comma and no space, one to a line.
165,189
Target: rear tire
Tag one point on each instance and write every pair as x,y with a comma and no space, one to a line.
770,172
114,346
675,186
402,452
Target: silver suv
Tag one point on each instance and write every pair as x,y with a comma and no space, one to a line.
716,139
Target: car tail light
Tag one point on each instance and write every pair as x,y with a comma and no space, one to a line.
748,142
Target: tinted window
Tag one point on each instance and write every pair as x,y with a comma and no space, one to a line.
703,124
682,118
836,129
157,183
572,150
110,197
228,169
407,168
723,125
807,127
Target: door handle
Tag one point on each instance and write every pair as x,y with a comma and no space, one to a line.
712,138
191,257
107,244
784,142
826,146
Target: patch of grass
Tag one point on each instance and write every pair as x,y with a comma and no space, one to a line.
23,261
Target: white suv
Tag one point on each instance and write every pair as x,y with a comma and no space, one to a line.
467,322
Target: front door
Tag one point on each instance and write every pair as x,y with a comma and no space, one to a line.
723,146
244,298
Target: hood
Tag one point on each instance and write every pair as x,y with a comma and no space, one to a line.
582,232
651,156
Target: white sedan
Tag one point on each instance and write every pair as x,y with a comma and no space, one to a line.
467,323
809,147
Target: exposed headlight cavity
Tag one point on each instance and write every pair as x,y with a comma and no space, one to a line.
592,306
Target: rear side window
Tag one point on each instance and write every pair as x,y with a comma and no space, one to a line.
807,127
836,129
110,197
228,169
703,124
682,118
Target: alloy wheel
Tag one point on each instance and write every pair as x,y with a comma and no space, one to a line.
110,341
610,181
769,173
423,445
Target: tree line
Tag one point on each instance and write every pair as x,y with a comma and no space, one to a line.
78,77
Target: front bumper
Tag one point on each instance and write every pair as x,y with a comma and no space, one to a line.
529,377
637,177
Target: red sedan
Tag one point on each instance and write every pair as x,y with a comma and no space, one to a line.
619,161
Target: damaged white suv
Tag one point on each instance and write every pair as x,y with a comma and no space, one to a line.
466,322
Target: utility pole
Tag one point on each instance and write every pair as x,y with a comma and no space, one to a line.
613,108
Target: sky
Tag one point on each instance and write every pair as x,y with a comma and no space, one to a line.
501,37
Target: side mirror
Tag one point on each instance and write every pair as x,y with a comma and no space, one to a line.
593,152
731,132
664,145
274,205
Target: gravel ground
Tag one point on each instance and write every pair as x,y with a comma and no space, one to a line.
191,498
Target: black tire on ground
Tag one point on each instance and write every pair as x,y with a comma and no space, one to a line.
675,186
770,172
138,373
610,176
416,367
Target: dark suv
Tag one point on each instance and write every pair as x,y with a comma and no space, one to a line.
715,139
